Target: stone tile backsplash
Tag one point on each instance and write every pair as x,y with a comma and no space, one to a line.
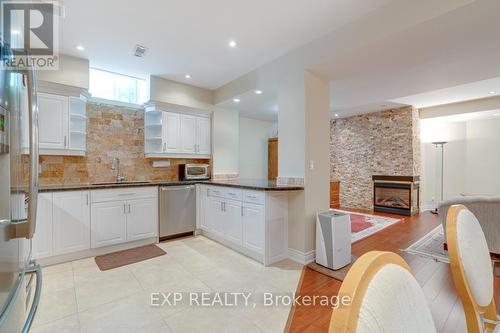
112,131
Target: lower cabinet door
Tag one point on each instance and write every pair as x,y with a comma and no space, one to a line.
71,221
253,227
232,219
109,223
142,219
42,241
204,220
215,216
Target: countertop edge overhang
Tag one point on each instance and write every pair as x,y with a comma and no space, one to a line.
246,184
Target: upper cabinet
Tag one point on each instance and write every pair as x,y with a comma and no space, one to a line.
62,125
176,133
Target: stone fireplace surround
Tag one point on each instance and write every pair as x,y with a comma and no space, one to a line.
379,143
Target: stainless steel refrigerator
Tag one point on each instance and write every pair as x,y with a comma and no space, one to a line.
20,277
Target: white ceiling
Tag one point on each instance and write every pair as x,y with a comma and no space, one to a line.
191,36
449,58
406,52
464,92
470,116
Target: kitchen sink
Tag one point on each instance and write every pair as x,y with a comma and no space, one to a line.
123,182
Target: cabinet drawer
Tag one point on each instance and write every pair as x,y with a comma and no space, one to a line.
216,192
124,194
257,197
233,194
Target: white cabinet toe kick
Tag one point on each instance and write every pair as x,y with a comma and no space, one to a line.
251,222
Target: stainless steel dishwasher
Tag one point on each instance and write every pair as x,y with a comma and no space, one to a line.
177,211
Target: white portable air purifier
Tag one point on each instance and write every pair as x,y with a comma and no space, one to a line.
333,239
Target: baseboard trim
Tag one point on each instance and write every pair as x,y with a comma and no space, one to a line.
303,258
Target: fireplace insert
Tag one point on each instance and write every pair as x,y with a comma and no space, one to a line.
396,194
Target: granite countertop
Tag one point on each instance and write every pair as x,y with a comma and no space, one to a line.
260,185
263,185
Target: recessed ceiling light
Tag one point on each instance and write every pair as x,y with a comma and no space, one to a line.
258,92
187,76
236,100
80,47
336,115
232,44
493,92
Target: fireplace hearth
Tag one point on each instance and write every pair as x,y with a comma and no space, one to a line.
396,194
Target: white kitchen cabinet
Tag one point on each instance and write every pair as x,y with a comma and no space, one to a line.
232,220
171,132
109,223
71,221
253,220
42,241
62,125
188,134
215,215
142,219
53,121
202,208
203,143
123,215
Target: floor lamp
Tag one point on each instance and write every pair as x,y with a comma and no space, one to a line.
440,144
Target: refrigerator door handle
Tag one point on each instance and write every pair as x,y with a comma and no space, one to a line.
37,270
27,229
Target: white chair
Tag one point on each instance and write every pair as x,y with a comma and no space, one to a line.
385,298
472,269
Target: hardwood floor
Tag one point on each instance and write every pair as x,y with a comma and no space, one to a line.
434,277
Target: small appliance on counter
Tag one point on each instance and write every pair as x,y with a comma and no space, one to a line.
194,171
333,239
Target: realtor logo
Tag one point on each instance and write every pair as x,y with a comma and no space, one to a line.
29,30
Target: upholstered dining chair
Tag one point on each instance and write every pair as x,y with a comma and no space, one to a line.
384,298
472,269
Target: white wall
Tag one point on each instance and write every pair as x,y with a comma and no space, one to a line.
471,159
483,157
253,148
72,72
167,91
225,142
291,129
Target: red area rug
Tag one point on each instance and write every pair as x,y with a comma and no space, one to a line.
364,225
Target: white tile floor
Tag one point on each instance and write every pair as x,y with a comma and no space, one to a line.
78,297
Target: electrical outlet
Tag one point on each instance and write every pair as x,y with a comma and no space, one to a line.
311,165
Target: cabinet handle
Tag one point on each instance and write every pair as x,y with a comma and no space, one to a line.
65,140
87,199
164,146
124,209
129,209
221,209
241,210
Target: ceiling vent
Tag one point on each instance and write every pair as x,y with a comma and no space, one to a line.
140,51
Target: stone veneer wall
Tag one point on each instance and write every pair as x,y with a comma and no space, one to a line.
112,131
383,143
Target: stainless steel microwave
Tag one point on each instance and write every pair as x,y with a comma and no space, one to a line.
194,171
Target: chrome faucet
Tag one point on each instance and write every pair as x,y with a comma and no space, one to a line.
115,165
